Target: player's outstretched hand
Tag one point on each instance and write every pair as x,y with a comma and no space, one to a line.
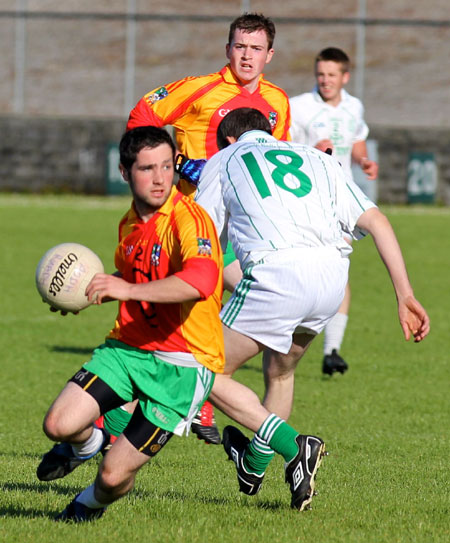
413,319
106,288
370,168
323,145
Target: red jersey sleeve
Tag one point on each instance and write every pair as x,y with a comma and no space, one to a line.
200,248
143,115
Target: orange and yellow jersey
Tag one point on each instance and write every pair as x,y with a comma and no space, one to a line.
194,106
181,240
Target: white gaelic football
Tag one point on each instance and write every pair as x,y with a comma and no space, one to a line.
63,274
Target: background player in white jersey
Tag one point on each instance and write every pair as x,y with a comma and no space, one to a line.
330,118
283,205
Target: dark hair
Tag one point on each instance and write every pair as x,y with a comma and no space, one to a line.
252,22
237,122
137,139
335,55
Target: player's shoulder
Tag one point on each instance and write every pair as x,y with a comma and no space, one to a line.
306,149
350,100
128,222
302,105
315,156
269,87
188,83
302,99
187,209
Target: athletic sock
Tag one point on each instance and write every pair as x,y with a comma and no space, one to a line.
91,446
87,498
116,420
276,435
257,456
334,333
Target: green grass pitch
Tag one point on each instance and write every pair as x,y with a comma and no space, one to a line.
385,423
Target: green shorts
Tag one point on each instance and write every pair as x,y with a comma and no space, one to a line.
169,395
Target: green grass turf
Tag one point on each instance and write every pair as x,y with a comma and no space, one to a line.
385,422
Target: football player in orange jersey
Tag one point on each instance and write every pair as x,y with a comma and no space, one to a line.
194,106
166,348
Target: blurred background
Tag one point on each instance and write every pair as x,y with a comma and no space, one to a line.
71,71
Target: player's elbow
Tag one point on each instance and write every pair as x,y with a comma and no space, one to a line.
371,220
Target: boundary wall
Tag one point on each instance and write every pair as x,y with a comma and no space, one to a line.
68,155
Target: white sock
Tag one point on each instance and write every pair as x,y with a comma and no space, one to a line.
334,333
90,447
87,498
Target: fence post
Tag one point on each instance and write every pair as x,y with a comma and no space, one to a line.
130,58
19,57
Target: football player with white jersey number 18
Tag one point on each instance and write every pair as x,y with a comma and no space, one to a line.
283,206
330,118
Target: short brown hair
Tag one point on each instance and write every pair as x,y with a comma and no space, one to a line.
133,141
335,55
252,22
238,121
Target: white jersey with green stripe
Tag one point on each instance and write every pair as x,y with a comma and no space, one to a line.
266,195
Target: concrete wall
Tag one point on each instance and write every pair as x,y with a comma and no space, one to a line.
394,149
70,155
55,155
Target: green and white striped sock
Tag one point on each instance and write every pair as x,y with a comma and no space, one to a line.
257,456
274,434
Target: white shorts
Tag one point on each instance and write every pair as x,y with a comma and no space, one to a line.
291,290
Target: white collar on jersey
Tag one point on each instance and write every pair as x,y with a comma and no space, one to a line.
256,135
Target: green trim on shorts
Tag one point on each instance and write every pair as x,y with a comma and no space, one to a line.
168,394
238,298
228,255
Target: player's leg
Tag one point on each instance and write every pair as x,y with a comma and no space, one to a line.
232,274
140,441
234,400
279,371
228,395
102,384
302,454
334,335
272,434
70,421
204,424
71,415
238,349
116,420
299,294
167,392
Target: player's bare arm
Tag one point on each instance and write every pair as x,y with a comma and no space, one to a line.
359,155
105,287
413,317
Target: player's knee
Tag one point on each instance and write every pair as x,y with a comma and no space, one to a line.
279,378
114,481
53,427
281,368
